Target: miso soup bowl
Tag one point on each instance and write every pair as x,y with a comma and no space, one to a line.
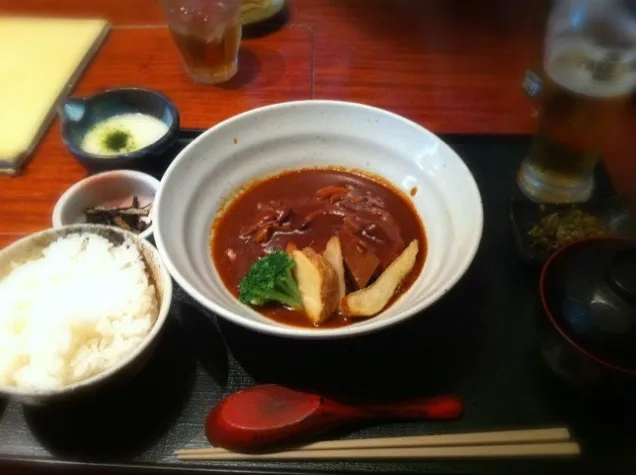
306,134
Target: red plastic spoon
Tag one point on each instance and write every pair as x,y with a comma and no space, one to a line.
267,416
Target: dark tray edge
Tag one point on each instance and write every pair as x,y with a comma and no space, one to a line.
167,468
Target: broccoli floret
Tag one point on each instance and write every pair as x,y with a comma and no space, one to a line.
270,279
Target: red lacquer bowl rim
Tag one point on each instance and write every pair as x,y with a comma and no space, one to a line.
542,280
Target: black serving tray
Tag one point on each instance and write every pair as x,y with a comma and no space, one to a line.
479,342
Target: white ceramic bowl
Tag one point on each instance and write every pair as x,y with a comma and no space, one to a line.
113,188
308,134
30,247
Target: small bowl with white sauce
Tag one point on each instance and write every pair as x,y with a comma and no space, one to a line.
119,128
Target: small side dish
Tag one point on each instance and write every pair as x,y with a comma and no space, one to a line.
118,198
320,247
558,229
73,312
540,229
120,128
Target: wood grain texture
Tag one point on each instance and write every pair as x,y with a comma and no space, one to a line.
118,12
450,65
453,66
273,69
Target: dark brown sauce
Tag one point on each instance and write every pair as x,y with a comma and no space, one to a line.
290,200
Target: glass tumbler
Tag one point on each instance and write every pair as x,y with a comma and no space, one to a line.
208,35
589,74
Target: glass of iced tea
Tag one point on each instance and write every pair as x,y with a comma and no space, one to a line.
208,34
589,74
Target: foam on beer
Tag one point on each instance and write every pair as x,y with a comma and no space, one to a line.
566,64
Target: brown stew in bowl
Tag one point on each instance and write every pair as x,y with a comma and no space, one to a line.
373,221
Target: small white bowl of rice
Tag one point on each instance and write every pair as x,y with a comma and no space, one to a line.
80,306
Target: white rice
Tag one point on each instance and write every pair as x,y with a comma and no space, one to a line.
74,312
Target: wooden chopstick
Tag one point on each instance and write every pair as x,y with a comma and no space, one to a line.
497,438
466,451
557,434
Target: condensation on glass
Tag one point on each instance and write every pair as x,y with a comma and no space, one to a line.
207,34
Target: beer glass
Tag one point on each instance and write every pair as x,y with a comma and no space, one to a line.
208,34
589,73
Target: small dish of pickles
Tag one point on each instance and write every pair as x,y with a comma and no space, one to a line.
118,198
541,229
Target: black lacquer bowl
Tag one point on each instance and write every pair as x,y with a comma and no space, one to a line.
587,328
79,115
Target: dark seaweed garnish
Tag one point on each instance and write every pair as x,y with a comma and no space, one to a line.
130,218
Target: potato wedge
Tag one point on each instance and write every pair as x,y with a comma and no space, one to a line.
333,254
318,284
372,299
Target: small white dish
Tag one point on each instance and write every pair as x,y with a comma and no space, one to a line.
315,133
113,188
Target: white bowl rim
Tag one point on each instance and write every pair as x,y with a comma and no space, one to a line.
305,333
164,311
56,217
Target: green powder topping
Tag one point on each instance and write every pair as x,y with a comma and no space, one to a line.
117,140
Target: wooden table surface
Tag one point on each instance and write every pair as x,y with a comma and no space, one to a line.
451,65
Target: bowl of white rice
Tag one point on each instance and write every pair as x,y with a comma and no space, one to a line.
80,306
